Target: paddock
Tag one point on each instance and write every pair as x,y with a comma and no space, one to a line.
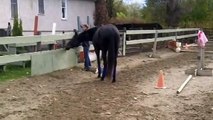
75,94
43,60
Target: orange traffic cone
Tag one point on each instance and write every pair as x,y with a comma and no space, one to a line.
160,83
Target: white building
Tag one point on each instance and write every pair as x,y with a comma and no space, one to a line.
67,14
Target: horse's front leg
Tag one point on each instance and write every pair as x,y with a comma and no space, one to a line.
98,62
105,65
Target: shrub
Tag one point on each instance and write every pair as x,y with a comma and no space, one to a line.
17,27
20,28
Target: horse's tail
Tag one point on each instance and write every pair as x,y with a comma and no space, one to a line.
111,59
112,54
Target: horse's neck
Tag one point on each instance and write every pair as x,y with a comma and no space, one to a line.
93,30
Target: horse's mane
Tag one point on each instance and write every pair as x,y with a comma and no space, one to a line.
92,30
87,35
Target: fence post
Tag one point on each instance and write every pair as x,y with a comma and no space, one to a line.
176,34
155,43
124,43
38,47
63,42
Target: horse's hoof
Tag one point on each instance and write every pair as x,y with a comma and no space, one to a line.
113,81
102,79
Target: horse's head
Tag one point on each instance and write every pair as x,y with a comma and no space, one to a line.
73,42
79,38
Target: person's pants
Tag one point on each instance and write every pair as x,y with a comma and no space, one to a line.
87,63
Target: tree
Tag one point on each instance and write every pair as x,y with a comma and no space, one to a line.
155,11
120,7
198,15
110,8
173,13
101,13
15,31
17,27
199,11
126,13
20,28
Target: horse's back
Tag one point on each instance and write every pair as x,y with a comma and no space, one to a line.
106,35
109,30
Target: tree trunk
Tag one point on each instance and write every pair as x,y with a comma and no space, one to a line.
101,13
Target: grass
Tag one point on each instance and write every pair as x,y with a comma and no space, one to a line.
14,72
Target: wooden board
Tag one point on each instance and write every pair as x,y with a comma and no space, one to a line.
49,61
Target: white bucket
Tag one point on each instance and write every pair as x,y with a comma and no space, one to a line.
92,56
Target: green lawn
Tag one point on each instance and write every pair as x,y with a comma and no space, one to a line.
14,72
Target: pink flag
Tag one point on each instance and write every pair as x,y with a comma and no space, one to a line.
202,39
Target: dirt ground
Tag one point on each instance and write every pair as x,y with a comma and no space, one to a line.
74,94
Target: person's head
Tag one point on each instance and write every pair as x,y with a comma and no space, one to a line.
85,27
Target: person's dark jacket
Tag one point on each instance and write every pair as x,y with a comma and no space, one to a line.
85,44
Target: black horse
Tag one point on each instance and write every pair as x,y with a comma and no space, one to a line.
106,39
71,42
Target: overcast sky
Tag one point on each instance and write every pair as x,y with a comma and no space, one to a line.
133,1
141,2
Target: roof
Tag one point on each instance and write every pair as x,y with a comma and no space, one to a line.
144,26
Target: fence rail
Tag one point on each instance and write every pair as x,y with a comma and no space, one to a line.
209,33
33,39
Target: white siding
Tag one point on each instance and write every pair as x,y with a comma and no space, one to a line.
5,13
28,9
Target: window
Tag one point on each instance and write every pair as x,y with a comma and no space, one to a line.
14,8
64,9
41,6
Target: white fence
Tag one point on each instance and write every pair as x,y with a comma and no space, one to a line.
156,38
41,61
51,60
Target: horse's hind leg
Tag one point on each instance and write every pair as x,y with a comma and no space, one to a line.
114,71
105,65
98,62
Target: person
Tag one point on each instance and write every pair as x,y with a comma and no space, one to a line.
9,29
86,46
